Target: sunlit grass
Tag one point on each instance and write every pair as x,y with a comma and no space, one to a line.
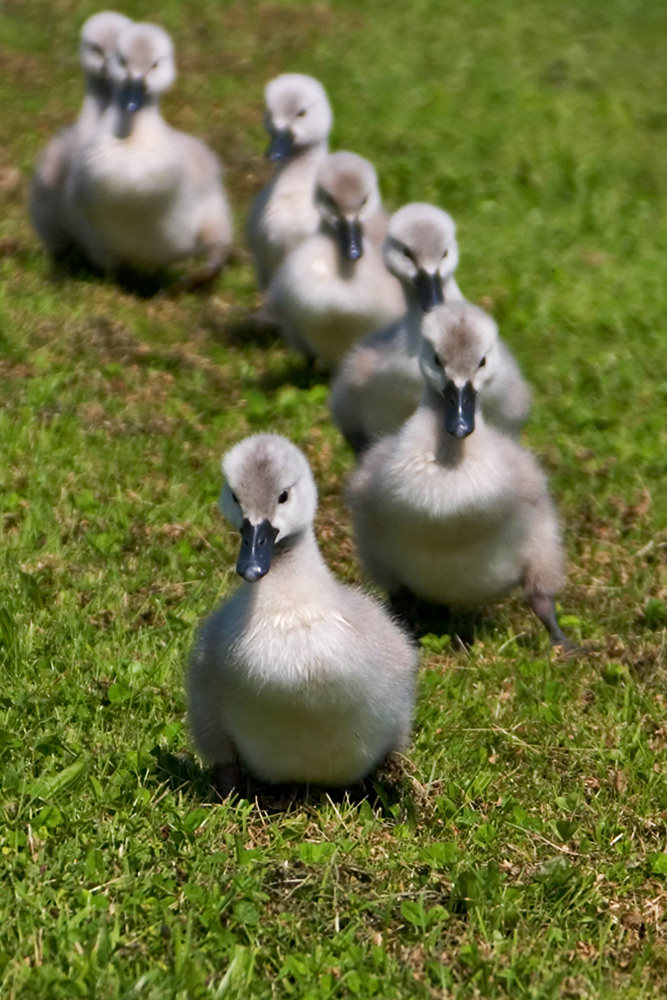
522,852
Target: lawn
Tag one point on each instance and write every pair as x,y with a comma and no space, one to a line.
520,851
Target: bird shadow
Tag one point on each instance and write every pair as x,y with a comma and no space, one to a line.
140,282
181,773
145,284
73,265
422,618
384,789
241,327
465,628
302,373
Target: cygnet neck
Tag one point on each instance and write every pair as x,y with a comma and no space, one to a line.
125,123
295,565
98,88
303,157
450,450
96,100
298,547
412,320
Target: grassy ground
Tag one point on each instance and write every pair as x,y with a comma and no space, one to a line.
523,851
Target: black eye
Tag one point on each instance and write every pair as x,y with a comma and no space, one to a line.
302,113
445,254
283,496
155,64
482,362
436,361
122,61
234,497
406,252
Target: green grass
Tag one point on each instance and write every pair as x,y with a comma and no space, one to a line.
522,853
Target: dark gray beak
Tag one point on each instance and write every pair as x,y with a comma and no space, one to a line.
132,95
280,145
257,540
459,409
429,290
351,243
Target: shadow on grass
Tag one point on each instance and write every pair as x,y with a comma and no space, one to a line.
181,773
302,373
243,327
423,618
73,265
140,282
240,327
465,628
385,788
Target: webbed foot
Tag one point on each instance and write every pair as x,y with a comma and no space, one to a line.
544,607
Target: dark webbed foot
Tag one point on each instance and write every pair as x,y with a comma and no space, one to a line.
544,607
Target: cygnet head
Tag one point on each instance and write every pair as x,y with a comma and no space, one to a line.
297,115
420,249
270,496
458,357
99,36
142,66
346,194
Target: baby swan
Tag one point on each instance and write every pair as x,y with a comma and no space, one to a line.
334,288
46,200
298,119
146,194
299,677
380,382
449,507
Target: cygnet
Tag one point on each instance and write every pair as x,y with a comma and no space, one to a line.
298,119
144,193
46,200
379,383
449,507
334,288
297,676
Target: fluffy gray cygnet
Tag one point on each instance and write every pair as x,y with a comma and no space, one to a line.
334,287
379,383
298,119
449,507
47,197
299,677
143,193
